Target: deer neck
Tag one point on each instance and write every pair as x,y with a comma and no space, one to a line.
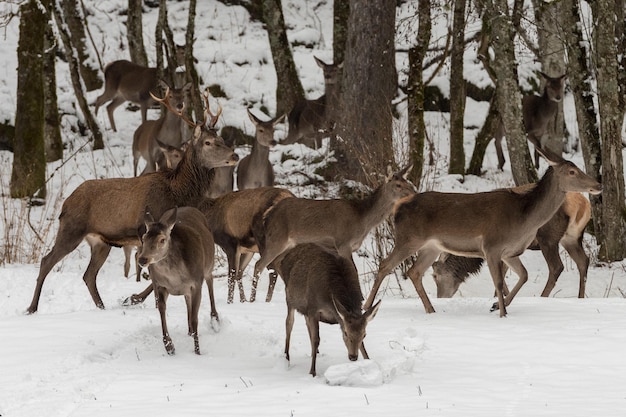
259,153
544,200
374,209
190,181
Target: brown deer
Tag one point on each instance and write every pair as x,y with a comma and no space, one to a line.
339,224
537,112
309,120
178,251
324,286
497,226
231,219
151,136
255,170
108,212
565,227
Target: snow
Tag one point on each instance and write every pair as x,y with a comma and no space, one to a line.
551,356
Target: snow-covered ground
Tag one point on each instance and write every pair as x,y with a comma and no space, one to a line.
551,356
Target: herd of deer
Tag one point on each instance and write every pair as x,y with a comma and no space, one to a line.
173,214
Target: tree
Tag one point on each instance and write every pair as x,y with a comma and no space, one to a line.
341,12
52,122
29,162
73,18
415,92
457,90
499,23
369,84
288,87
613,247
134,33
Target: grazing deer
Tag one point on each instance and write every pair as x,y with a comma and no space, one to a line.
309,120
339,224
153,135
231,219
565,227
324,286
537,112
178,251
497,226
108,212
255,170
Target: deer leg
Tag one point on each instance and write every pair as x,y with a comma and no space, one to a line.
516,265
62,246
496,268
209,283
399,253
425,259
550,251
107,95
138,298
363,351
244,258
313,325
161,295
577,253
272,284
271,252
99,253
288,329
193,305
115,103
231,255
128,251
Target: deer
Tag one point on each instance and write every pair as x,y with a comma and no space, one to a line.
255,170
495,225
152,136
108,212
537,112
309,120
231,219
565,227
178,251
338,223
324,286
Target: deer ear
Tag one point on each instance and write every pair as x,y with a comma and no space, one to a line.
252,117
551,158
170,220
147,217
370,313
197,132
341,310
279,120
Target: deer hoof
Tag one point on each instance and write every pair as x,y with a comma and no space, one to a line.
494,307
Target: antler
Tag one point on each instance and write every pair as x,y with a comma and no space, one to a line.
212,118
165,101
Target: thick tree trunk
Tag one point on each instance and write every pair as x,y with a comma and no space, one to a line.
134,33
613,247
508,97
74,20
190,68
368,86
29,164
52,125
341,12
288,87
581,81
415,92
457,90
484,136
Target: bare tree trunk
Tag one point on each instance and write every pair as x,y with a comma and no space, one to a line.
613,247
90,121
552,59
368,86
341,12
508,96
457,90
484,136
73,18
581,81
190,68
52,121
134,33
28,175
415,92
288,88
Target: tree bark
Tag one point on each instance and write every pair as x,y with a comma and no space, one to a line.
457,90
581,81
415,92
484,136
613,247
341,12
134,33
90,121
52,121
74,20
288,87
28,175
190,68
508,96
